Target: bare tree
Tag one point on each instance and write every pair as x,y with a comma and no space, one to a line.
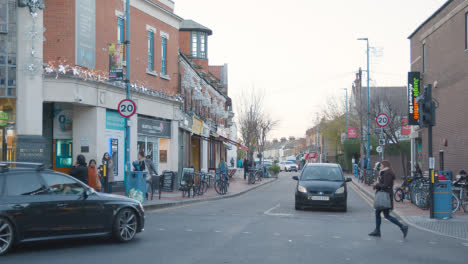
250,116
267,124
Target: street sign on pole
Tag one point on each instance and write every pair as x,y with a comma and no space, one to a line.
379,149
382,120
127,108
382,141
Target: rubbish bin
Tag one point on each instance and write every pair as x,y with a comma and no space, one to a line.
443,200
356,171
135,187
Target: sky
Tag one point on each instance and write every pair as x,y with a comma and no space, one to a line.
300,53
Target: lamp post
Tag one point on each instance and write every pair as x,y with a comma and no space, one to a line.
347,119
127,81
368,99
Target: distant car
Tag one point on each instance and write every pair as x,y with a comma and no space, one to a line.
38,204
321,185
288,166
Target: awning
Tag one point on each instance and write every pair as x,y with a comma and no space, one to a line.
233,142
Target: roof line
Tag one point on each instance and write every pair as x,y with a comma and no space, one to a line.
431,17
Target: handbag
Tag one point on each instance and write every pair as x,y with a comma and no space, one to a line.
382,201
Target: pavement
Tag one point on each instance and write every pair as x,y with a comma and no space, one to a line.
260,226
455,227
237,186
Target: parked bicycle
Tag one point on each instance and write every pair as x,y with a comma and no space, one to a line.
460,194
200,186
251,176
221,184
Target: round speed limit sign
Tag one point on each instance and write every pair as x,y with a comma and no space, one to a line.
382,120
127,108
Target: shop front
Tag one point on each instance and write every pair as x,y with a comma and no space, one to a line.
196,144
154,137
62,142
8,129
115,142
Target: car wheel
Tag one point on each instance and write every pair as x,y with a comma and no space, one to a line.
7,234
345,207
297,207
125,225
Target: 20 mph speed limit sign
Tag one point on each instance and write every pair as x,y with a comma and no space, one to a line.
127,108
382,120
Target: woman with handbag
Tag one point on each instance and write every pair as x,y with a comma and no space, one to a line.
383,201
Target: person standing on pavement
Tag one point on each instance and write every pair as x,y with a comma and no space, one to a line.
232,162
385,183
107,161
239,163
151,171
79,169
223,169
93,177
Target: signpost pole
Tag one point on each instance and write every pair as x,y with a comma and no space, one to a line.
127,81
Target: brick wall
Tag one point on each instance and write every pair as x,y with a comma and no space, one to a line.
59,20
446,64
184,37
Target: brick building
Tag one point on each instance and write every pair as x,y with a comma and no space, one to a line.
439,49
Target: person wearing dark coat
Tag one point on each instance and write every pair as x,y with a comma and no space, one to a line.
385,183
246,167
79,169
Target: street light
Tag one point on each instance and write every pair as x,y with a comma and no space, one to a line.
347,127
368,115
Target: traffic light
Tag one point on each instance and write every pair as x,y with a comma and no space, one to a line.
426,107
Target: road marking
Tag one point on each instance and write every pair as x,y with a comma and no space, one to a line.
465,244
161,229
217,231
245,232
337,237
360,193
307,235
188,230
268,212
276,234
433,242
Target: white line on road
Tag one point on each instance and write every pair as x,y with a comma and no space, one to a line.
245,232
188,230
337,237
161,229
217,231
268,212
276,234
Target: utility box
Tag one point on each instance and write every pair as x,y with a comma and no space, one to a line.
443,200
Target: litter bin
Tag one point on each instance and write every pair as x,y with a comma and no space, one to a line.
356,171
135,187
443,200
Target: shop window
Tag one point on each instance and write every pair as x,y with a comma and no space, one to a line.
64,153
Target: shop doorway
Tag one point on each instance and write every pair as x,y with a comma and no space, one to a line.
150,146
195,160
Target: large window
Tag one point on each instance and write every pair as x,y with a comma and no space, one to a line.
466,31
424,58
120,30
164,56
150,51
199,45
8,48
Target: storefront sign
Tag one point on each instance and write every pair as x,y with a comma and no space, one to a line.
197,126
414,80
153,127
3,118
114,121
115,62
405,129
85,36
31,149
352,132
63,121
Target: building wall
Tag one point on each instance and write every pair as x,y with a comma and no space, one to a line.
446,64
59,20
184,37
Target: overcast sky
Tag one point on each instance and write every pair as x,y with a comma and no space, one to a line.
301,52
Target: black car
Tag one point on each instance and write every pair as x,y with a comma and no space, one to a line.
38,204
321,185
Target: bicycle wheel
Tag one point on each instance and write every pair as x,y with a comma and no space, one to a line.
399,195
251,178
204,186
225,186
455,203
217,186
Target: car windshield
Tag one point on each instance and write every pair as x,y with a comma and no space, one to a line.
321,173
290,162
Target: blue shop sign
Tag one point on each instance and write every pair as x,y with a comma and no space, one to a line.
114,120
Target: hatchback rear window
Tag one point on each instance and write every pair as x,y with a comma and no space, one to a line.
321,173
23,184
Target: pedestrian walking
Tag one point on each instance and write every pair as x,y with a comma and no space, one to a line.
385,183
232,162
79,169
239,163
223,168
93,178
109,163
151,171
246,167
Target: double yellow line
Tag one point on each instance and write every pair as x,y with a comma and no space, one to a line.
363,196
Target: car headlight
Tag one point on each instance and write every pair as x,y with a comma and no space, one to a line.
340,190
301,189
